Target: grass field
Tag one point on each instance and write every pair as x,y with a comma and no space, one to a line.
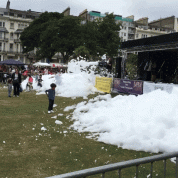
27,151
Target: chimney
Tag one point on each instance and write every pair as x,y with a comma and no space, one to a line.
8,5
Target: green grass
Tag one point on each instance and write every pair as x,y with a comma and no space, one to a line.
30,152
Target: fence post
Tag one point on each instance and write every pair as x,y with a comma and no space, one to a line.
119,173
151,172
137,171
103,174
165,168
176,167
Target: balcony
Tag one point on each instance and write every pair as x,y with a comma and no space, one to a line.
2,39
16,40
131,25
131,32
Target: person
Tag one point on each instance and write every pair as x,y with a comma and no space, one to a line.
153,72
40,81
30,83
5,78
46,71
9,81
16,77
51,96
109,65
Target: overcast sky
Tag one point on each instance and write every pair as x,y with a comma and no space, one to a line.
153,9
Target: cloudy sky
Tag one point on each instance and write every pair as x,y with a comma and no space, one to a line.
139,8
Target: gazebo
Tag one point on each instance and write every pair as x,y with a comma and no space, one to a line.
12,62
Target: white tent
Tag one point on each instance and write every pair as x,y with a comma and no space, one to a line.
40,64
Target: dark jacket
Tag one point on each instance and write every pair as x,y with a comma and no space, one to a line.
51,94
19,78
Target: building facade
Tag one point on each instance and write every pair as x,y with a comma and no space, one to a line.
144,29
127,24
12,23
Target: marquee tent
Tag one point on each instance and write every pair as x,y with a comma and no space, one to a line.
12,62
40,64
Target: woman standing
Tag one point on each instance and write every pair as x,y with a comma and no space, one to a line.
16,77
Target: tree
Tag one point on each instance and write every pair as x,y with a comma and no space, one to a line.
31,36
52,33
131,66
109,40
82,51
67,36
90,35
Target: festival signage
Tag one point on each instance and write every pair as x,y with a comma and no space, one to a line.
103,84
150,86
128,86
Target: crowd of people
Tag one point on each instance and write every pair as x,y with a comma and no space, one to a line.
13,77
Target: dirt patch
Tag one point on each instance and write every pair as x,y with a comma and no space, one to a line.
15,152
54,147
5,102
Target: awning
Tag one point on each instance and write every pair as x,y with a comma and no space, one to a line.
18,31
12,62
3,30
40,64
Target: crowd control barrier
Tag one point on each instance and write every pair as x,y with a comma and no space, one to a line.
125,164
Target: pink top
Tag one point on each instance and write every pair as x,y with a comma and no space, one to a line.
30,80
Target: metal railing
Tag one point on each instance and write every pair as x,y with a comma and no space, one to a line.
125,164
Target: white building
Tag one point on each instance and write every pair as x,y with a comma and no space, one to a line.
127,24
12,23
145,29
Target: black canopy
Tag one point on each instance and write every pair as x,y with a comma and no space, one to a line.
12,62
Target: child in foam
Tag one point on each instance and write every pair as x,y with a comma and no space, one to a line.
40,81
9,81
30,83
51,96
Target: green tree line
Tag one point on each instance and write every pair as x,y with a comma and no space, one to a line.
53,32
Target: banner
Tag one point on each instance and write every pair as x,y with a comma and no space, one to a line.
103,84
128,86
150,86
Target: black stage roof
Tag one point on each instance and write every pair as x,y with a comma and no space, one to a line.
161,42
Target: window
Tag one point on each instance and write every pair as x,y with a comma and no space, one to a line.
18,35
17,47
11,25
21,59
0,46
19,15
11,14
2,24
124,34
137,35
21,26
5,13
11,36
11,47
0,35
28,16
21,49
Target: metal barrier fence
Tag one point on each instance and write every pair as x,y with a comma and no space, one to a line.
125,164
